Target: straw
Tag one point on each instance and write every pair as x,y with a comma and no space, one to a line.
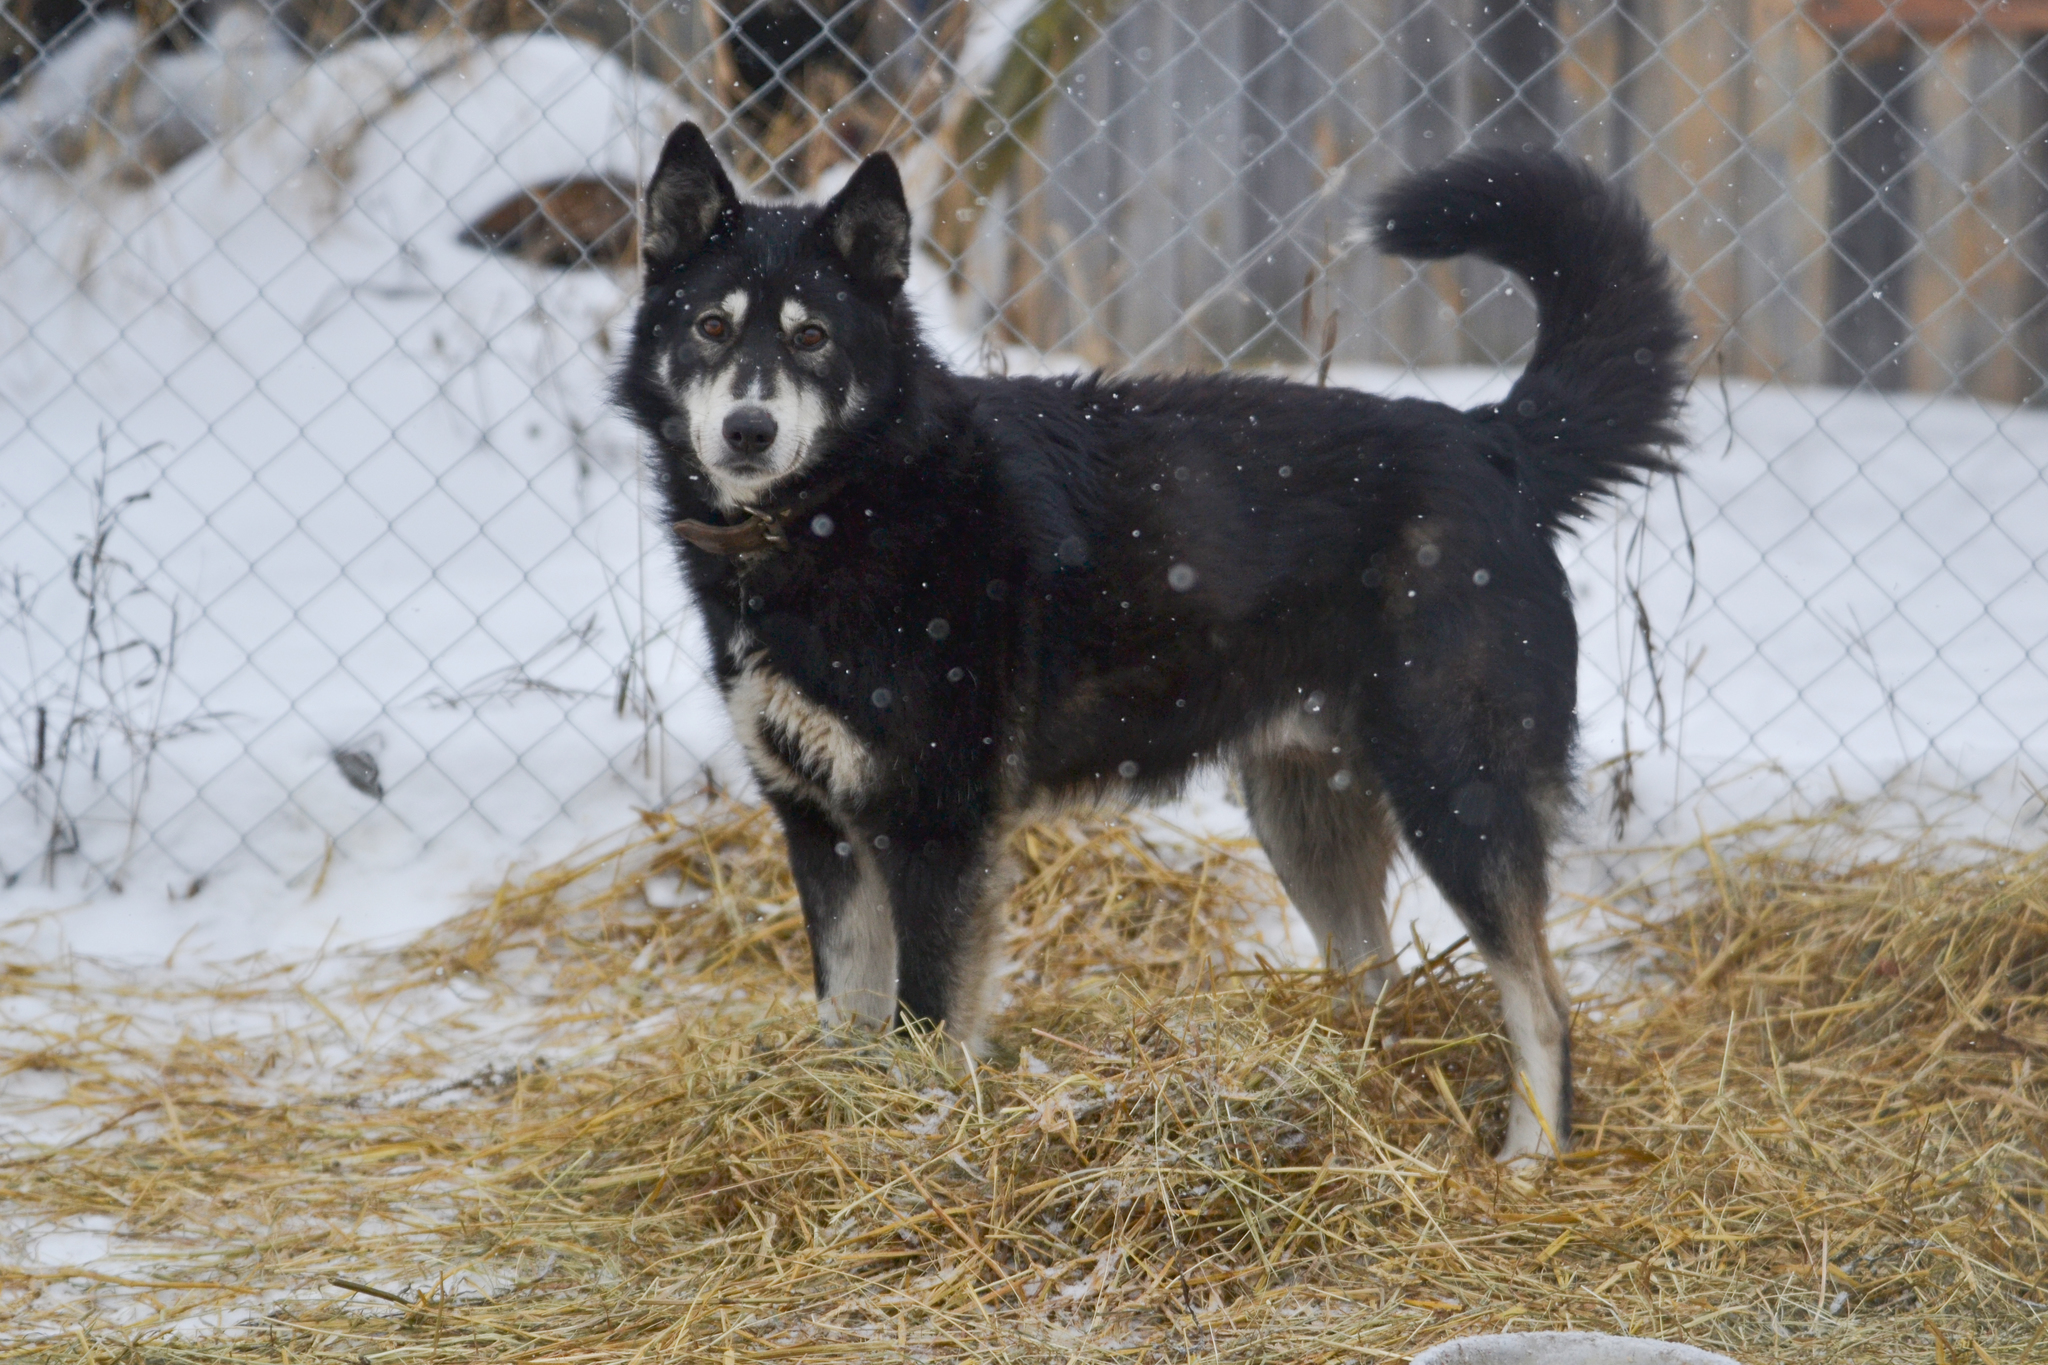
1812,1128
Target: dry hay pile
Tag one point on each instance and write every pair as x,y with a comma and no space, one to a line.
1814,1132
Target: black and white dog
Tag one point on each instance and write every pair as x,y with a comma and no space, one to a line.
939,601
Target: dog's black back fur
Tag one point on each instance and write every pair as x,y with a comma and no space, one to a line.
1031,588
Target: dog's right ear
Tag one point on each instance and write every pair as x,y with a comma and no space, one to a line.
689,202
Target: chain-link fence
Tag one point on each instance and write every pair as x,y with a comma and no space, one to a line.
318,536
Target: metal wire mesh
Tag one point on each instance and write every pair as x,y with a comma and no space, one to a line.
319,537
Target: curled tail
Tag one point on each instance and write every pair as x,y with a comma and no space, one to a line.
1599,401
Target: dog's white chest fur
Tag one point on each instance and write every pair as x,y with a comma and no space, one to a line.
795,745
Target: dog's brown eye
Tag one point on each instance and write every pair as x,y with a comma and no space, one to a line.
713,326
809,337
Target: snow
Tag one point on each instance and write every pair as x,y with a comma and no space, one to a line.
1843,593
1866,599
52,117
384,504
356,487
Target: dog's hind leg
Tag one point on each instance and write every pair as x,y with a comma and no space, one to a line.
1537,1012
846,912
1485,843
1327,831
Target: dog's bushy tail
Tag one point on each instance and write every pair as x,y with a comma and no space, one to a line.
1598,403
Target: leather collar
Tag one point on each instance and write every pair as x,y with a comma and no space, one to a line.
764,529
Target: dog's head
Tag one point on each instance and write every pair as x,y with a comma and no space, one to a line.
765,330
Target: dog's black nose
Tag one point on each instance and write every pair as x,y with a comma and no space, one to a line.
749,431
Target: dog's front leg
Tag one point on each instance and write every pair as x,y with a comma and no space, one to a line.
944,890
846,913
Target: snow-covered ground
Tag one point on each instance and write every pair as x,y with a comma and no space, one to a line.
289,472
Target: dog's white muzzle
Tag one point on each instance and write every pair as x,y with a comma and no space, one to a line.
751,441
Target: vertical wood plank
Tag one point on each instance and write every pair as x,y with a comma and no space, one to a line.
1742,195
1517,100
1593,51
1424,52
1871,211
1080,178
2028,223
1278,176
1351,161
1138,297
1635,43
1207,90
1965,277
1028,299
1784,197
1691,165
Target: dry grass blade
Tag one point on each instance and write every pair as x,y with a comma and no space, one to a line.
1813,1131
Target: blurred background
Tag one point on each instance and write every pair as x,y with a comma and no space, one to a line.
320,548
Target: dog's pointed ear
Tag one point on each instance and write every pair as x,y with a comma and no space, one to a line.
689,201
868,224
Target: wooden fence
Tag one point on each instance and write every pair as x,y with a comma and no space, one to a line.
1854,191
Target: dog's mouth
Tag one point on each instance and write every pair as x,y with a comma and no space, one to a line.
744,466
741,479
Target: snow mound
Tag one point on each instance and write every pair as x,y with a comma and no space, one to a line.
298,473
